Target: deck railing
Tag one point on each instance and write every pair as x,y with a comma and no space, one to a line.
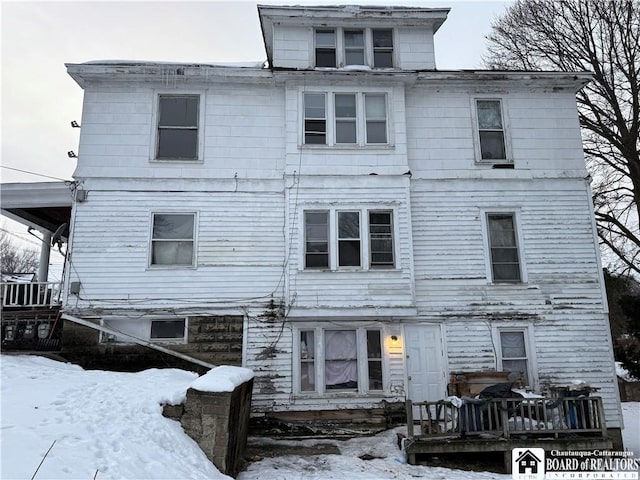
34,294
507,417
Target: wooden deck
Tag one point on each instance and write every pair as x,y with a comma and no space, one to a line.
501,424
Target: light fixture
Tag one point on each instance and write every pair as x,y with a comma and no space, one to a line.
71,154
394,338
75,124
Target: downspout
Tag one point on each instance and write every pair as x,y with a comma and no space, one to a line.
144,343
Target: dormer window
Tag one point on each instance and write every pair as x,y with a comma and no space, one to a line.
340,47
382,47
354,47
325,48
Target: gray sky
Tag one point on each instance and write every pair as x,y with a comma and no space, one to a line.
39,99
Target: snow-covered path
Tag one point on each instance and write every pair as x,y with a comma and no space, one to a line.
108,425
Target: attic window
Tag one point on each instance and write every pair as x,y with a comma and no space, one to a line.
325,48
382,48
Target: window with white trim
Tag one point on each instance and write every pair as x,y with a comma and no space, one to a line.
339,360
325,47
177,130
491,131
157,330
345,118
513,354
503,248
363,238
172,239
339,47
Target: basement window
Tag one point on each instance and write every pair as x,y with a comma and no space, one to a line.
168,329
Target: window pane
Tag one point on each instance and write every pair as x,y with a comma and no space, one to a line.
314,105
348,225
354,57
489,115
177,143
325,57
346,131
383,59
179,111
349,253
382,38
381,238
345,106
354,38
376,132
504,255
503,272
512,345
375,375
341,364
492,145
167,329
375,106
307,362
173,226
374,346
325,38
317,260
172,253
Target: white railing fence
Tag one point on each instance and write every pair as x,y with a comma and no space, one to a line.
35,294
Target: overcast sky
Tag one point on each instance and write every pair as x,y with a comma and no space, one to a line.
39,99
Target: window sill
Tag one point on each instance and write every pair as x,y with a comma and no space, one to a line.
491,163
380,395
349,270
171,267
175,160
377,146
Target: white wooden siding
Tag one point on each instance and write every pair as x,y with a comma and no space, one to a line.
414,46
239,244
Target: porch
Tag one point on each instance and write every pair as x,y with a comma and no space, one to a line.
501,424
30,316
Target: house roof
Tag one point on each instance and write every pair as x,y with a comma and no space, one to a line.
44,206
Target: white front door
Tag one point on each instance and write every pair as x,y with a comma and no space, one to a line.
425,372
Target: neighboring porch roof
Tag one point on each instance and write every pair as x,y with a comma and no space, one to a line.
40,205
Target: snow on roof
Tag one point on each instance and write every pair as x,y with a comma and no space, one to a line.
255,64
222,379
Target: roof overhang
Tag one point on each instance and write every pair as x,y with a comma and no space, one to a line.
44,206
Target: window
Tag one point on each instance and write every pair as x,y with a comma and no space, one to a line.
325,48
491,130
360,236
178,127
513,353
339,47
348,239
503,247
167,329
172,239
316,226
344,118
382,48
376,117
354,47
315,122
381,238
348,360
345,110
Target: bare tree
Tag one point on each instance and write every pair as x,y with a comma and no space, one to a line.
15,259
601,36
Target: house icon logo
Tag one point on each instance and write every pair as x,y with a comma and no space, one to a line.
527,463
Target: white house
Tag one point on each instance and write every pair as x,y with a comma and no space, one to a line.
346,220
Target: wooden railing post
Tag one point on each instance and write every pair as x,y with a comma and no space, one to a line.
409,407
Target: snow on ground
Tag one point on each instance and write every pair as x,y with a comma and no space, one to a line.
108,425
